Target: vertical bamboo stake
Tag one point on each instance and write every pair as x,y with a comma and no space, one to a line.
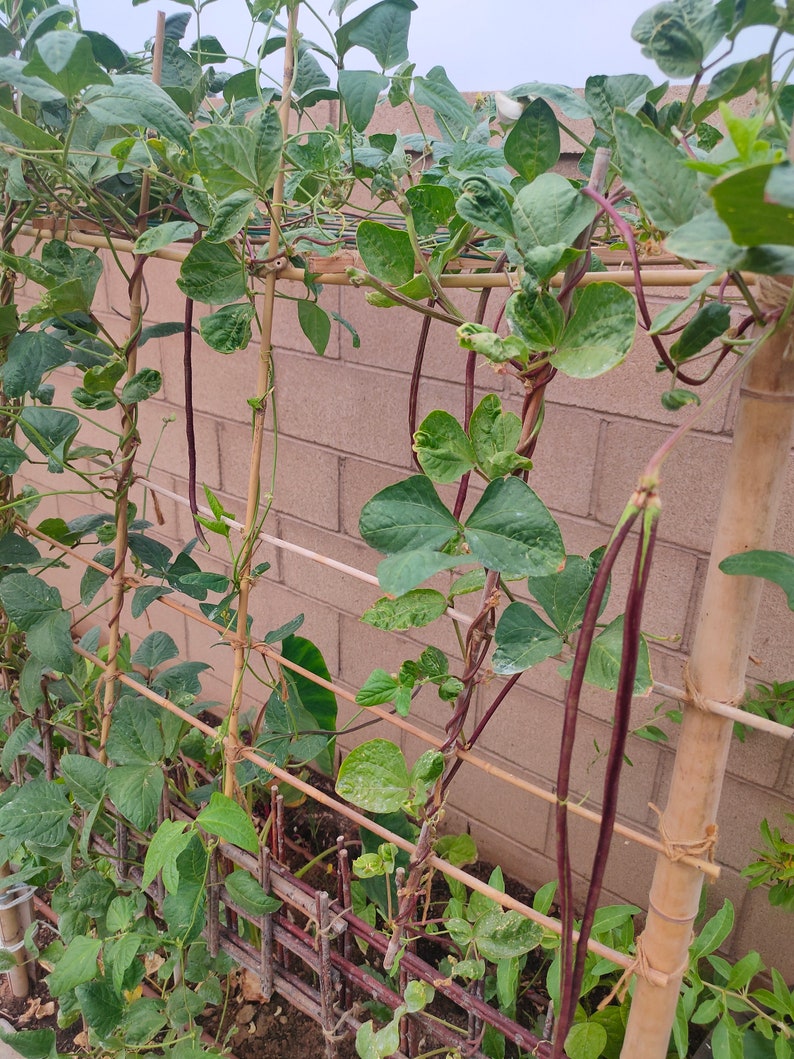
262,388
129,445
750,500
12,933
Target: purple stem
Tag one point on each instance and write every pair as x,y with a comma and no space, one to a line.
190,430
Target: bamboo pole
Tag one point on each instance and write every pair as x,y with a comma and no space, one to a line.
750,501
251,528
12,933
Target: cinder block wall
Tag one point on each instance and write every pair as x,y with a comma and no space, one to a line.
342,436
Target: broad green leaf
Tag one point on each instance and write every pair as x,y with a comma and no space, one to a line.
212,274
585,1040
599,334
360,90
15,744
268,142
381,30
156,648
118,955
533,144
603,665
85,777
706,238
563,594
453,114
657,173
405,570
406,516
378,688
483,204
494,436
511,530
374,776
468,158
550,212
50,640
672,400
11,457
29,135
442,448
777,567
416,608
386,252
432,206
65,60
165,846
143,385
569,102
30,1044
38,812
315,324
457,849
136,101
502,935
522,640
246,892
136,791
228,329
135,737
679,36
485,341
78,964
319,702
142,1021
708,323
539,321
228,820
606,95
100,1006
756,204
225,156
427,768
36,608
16,550
163,235
33,87
230,216
51,432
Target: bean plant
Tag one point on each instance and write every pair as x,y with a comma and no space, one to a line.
96,151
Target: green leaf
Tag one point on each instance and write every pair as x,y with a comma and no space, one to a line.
165,846
406,570
16,743
158,647
318,701
315,324
603,665
511,530
11,457
777,567
78,964
268,143
360,91
708,323
101,1007
657,173
212,274
225,156
65,60
230,216
143,385
136,791
378,688
671,313
599,334
679,36
33,87
228,329
550,212
563,594
756,204
605,95
381,30
706,238
246,892
163,235
38,812
442,448
51,432
118,956
494,437
585,1040
533,144
523,640
135,737
86,779
142,1021
374,776
502,935
406,516
453,114
483,204
31,1044
228,820
30,356
427,768
457,849
386,252
138,102
414,609
50,640
36,608
432,206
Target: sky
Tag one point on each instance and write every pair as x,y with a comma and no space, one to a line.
484,45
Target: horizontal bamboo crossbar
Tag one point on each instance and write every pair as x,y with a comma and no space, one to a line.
649,276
